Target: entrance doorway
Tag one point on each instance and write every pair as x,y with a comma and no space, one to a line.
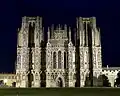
60,82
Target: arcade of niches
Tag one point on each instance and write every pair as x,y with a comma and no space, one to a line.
59,61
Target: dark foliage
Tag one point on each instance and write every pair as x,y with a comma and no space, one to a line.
14,84
117,83
88,82
1,82
103,81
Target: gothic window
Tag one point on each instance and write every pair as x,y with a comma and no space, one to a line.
18,61
12,77
65,60
99,58
54,60
33,56
37,36
82,75
19,58
59,60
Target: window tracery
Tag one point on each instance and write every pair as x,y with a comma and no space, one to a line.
59,60
18,61
65,60
54,60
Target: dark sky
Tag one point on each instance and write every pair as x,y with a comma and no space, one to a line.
107,13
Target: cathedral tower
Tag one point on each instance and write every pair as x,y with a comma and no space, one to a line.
28,64
88,47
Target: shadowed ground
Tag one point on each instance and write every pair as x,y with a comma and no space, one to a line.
60,91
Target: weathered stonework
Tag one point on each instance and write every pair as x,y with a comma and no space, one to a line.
56,57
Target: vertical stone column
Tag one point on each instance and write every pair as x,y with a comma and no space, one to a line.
99,37
37,66
84,65
51,59
23,79
23,36
81,66
65,29
93,37
81,31
48,34
86,24
62,55
19,38
23,68
57,59
82,79
97,60
70,68
36,79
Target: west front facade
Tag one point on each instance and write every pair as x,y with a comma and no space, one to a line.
59,60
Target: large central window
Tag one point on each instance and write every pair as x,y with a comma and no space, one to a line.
59,60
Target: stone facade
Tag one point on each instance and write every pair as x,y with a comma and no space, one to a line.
8,78
59,62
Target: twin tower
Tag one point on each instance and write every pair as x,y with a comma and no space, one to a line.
58,62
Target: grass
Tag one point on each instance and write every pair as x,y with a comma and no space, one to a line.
60,91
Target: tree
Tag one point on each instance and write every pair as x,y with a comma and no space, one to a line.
103,81
106,82
14,84
88,82
117,83
2,84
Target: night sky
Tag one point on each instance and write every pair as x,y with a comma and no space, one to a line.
106,12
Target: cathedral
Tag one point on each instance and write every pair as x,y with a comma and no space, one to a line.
59,61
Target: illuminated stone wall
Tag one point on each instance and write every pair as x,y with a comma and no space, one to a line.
8,78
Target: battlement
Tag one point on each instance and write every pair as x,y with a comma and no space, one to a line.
31,18
87,19
111,69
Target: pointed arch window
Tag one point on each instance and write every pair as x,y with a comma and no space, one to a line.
19,58
37,35
59,60
65,60
54,60
18,61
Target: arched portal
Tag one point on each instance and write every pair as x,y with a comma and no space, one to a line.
30,79
59,82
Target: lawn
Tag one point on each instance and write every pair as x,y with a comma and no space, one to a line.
60,91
